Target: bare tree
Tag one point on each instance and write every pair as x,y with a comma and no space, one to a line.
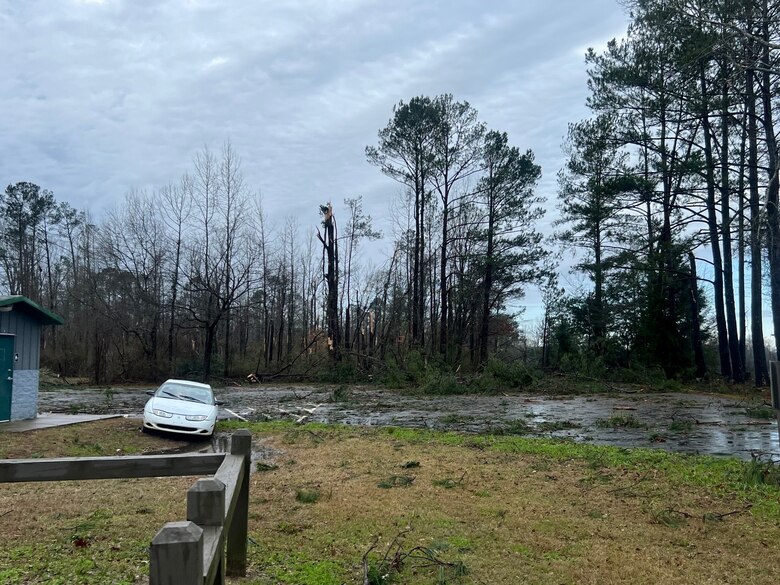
176,207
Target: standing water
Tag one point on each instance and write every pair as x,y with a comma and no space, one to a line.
685,423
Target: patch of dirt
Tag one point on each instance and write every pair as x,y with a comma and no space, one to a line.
116,436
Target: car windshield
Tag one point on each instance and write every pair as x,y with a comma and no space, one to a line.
186,392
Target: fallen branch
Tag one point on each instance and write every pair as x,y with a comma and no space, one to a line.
300,418
238,416
708,515
395,556
265,377
364,561
628,487
725,514
301,397
317,436
303,351
424,553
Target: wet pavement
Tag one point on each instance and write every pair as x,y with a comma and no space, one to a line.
48,420
685,423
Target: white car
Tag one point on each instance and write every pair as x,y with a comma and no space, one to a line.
180,406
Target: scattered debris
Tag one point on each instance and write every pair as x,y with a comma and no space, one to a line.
385,570
238,416
296,413
449,483
672,517
396,481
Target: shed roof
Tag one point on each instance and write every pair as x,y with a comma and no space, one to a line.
32,308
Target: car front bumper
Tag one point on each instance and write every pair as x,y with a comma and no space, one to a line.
178,424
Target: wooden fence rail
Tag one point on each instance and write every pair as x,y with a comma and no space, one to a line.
187,552
77,468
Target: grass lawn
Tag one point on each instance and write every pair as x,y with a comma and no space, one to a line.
412,507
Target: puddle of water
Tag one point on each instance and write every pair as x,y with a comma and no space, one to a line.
220,443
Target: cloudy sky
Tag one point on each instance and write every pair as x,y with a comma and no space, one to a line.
102,96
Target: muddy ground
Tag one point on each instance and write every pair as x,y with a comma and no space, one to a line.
687,423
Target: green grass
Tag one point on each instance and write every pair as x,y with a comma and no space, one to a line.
683,425
507,508
762,412
621,421
760,472
448,483
395,481
308,495
556,425
296,569
722,475
513,427
456,419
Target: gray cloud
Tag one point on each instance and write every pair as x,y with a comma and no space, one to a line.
99,97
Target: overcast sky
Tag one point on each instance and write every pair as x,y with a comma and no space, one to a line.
102,96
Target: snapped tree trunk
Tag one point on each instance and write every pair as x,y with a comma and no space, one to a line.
330,252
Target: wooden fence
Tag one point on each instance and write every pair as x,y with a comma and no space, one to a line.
187,552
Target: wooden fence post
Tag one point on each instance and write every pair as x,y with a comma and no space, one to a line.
206,502
176,555
206,507
240,444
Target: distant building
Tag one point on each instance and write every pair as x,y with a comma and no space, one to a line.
20,350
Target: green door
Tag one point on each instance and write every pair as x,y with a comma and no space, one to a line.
6,375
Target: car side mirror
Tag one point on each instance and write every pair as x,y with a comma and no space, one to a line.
150,392
219,402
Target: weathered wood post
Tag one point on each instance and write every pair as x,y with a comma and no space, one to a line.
206,508
774,381
240,444
176,555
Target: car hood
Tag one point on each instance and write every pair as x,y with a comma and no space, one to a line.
180,406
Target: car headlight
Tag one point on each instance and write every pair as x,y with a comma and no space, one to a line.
161,413
196,417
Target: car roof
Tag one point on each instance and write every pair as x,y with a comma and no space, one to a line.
188,383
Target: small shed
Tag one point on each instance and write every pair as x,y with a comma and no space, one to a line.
20,350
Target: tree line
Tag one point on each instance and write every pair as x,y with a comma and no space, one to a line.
191,280
676,169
